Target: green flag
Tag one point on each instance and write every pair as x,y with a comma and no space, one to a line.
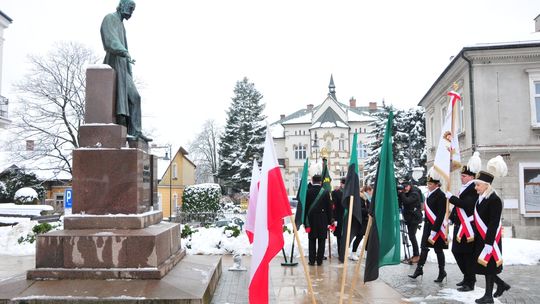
301,197
383,243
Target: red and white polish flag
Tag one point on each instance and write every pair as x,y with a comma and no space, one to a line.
272,206
253,194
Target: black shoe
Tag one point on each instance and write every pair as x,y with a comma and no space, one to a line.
311,263
418,272
460,283
501,288
484,300
465,288
319,263
440,277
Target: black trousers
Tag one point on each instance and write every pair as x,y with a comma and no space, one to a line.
412,229
440,257
316,250
465,261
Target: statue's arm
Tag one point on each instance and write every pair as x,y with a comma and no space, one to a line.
109,35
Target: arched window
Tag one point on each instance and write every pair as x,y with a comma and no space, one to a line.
362,150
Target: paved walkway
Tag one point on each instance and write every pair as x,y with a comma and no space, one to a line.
288,284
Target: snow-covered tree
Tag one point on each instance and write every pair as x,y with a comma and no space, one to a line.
408,138
243,138
52,99
14,179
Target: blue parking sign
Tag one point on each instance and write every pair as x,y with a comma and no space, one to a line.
68,194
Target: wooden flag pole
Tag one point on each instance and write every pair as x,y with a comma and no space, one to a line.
357,268
310,287
346,248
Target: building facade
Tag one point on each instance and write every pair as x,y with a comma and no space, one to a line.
499,114
5,21
174,174
325,130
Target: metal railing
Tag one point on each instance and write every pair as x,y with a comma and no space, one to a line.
4,107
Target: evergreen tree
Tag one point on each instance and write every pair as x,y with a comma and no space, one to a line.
408,138
243,138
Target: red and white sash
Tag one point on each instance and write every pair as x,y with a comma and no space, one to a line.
432,217
496,253
465,229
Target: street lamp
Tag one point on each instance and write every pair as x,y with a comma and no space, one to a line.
168,156
417,173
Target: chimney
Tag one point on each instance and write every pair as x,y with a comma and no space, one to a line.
281,116
310,107
373,106
29,145
537,24
352,102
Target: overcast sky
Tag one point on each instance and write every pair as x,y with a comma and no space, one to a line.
191,53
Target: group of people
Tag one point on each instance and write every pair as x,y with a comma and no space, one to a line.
476,242
325,212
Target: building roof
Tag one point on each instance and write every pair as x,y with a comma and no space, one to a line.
163,164
6,16
329,119
526,41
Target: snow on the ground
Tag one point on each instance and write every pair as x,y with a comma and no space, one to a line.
453,295
216,241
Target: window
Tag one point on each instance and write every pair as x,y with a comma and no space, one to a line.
362,150
342,172
534,91
300,151
529,189
342,143
431,132
174,171
175,203
59,199
160,201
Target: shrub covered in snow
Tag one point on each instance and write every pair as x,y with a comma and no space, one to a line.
201,198
26,196
15,179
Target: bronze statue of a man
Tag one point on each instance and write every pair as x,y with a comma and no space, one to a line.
128,100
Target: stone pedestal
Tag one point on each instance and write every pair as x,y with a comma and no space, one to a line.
113,232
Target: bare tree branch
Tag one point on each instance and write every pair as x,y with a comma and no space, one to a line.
52,99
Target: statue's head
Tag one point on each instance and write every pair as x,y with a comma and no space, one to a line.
126,8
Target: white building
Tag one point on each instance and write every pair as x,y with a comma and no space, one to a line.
4,23
499,115
325,130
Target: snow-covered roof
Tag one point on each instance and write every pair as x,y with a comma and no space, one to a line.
277,130
359,116
329,119
519,39
305,118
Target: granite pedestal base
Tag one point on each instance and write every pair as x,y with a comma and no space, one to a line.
147,253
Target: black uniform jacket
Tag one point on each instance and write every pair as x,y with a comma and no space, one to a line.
318,215
436,201
338,210
467,199
489,210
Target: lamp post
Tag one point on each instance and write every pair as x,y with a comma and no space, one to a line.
315,146
168,156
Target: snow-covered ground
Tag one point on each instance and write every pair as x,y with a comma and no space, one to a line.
216,241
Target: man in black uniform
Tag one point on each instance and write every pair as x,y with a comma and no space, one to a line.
318,216
462,216
410,200
339,211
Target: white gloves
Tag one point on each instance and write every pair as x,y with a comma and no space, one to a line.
448,194
432,235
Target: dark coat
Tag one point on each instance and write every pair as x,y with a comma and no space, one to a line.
467,199
436,201
411,204
320,214
338,210
489,210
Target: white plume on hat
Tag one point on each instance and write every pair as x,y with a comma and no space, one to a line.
475,163
315,168
434,174
497,166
